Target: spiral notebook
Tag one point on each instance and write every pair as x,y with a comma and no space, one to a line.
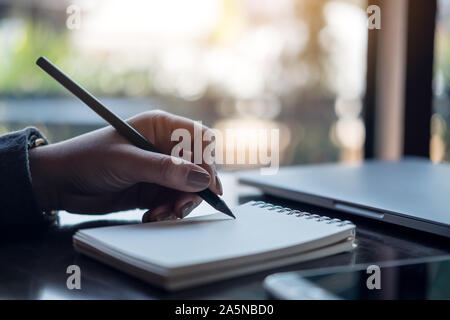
184,253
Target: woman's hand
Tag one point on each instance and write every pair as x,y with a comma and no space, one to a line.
101,172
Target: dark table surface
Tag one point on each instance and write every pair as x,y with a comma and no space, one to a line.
33,264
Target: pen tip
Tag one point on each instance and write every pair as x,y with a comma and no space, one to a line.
222,207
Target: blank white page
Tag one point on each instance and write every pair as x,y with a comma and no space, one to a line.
198,240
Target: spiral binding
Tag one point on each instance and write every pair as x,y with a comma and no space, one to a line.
300,214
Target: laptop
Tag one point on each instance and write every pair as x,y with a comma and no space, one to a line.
413,192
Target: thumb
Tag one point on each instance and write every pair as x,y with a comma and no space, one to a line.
171,172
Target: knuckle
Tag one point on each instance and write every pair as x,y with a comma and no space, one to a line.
166,168
150,122
151,115
160,120
144,115
157,114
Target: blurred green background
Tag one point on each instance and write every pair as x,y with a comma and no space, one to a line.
295,65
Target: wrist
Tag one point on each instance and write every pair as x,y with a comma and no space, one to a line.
42,178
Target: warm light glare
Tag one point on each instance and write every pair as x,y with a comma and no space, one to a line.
296,65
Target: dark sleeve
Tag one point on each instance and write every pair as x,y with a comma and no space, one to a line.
17,203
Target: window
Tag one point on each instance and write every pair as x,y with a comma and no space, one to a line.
440,130
294,65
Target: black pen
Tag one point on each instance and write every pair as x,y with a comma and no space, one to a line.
124,129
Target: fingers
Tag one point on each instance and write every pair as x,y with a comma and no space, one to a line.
182,205
167,171
158,126
215,184
186,204
162,213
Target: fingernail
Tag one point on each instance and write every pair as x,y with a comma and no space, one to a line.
165,216
146,217
219,185
198,179
187,208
